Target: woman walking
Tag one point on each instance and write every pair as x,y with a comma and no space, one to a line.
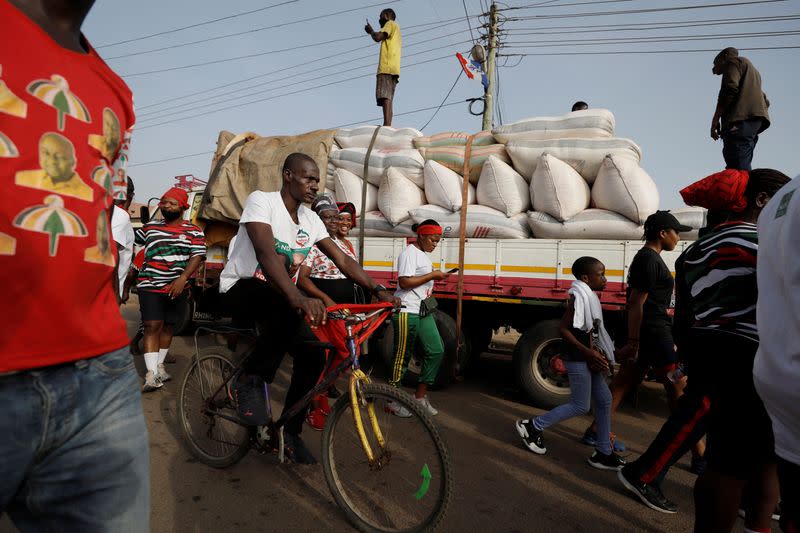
415,277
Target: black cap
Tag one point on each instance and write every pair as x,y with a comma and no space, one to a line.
664,220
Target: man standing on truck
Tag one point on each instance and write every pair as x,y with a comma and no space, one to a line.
741,112
276,233
173,251
388,62
74,451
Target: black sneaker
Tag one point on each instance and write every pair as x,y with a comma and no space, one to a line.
651,496
602,461
698,465
531,437
296,452
250,399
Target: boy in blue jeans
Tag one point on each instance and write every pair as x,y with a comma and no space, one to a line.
589,352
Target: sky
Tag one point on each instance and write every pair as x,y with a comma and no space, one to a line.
318,74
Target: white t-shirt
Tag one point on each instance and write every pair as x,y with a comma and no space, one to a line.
122,232
776,372
292,241
414,262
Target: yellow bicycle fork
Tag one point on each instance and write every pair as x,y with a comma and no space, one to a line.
357,378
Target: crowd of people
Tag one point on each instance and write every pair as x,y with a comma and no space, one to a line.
79,456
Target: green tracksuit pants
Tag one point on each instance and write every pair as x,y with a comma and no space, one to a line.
408,329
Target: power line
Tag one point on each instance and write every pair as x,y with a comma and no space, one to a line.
647,39
174,30
254,30
647,26
624,52
185,156
460,72
466,14
227,99
639,11
542,4
217,110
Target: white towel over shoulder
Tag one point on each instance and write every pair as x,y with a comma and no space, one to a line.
587,311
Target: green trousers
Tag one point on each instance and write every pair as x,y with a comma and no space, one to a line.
408,329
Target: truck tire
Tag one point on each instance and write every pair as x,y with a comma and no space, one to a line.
184,321
451,364
534,354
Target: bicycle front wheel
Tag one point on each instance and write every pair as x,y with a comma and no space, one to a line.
411,487
206,413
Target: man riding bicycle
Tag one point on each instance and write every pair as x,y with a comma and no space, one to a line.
276,232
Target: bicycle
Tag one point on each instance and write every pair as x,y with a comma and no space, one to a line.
390,474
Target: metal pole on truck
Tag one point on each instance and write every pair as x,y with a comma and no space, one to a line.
488,97
364,197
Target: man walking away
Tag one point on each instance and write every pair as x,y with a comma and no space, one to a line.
173,251
776,371
741,112
74,454
389,61
122,232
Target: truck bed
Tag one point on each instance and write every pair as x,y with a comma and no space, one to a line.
519,271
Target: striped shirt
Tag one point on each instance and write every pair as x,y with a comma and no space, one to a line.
322,267
721,277
167,251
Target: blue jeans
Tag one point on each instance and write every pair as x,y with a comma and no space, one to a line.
74,451
585,386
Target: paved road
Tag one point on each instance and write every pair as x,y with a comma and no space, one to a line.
500,486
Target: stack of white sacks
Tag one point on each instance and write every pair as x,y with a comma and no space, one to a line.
562,177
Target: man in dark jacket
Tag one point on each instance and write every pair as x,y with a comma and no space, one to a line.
741,112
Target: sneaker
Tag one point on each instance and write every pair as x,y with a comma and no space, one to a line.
316,418
650,495
698,465
426,404
163,376
531,437
397,410
251,402
590,439
602,461
151,382
296,451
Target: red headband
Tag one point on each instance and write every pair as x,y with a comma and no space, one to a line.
179,195
429,230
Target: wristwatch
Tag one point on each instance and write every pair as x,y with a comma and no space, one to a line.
378,288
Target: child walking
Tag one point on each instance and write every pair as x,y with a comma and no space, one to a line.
589,352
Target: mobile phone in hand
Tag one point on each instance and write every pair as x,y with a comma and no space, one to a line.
453,270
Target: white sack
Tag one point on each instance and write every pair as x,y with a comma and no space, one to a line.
587,124
558,190
584,155
482,222
443,186
398,195
590,224
694,217
376,225
624,187
348,189
388,138
407,162
501,187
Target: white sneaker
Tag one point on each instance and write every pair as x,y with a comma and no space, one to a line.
397,410
427,405
151,382
163,377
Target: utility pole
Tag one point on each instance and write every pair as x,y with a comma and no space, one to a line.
488,97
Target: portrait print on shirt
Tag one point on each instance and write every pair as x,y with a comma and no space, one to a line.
57,173
101,252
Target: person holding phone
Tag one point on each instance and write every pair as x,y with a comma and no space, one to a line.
388,62
415,278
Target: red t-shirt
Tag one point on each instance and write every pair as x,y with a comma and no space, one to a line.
65,121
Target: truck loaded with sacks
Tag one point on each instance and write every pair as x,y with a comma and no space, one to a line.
540,193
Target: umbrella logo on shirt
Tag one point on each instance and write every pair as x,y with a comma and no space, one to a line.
53,219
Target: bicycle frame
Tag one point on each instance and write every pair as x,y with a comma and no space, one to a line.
358,329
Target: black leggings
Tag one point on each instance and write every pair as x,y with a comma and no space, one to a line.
282,330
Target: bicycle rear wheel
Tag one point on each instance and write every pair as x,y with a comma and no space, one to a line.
214,440
411,489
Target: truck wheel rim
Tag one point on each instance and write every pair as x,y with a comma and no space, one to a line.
542,369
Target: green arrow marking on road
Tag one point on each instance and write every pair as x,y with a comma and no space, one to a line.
426,482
